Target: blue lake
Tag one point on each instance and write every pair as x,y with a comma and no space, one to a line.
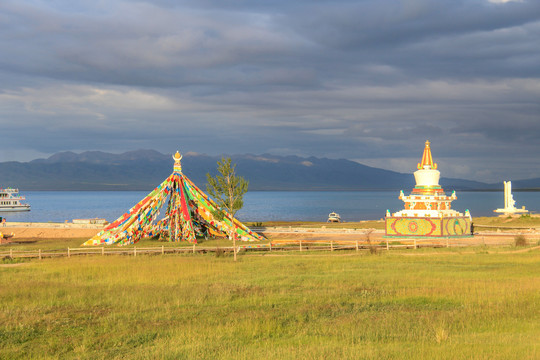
362,205
59,206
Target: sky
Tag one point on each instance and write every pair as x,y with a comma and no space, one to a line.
365,80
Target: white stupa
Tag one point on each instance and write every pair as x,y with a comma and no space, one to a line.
427,211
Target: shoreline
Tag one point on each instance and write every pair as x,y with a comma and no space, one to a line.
55,225
79,231
31,230
490,229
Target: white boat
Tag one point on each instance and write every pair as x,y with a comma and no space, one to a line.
10,200
333,217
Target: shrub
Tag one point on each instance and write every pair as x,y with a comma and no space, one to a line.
520,240
10,260
219,252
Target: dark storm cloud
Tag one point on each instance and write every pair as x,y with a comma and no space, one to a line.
366,80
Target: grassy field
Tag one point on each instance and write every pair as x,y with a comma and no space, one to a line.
368,224
430,304
504,221
63,244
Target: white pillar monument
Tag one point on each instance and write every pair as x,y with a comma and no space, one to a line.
509,202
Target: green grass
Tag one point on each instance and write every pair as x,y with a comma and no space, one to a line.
302,306
62,244
368,224
517,221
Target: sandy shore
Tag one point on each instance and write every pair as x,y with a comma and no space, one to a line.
50,230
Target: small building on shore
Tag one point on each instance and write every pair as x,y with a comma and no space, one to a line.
427,211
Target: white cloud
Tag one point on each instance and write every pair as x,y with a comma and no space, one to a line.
76,100
503,1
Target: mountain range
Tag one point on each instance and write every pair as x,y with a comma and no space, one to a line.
145,169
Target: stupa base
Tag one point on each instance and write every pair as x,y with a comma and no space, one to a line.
435,227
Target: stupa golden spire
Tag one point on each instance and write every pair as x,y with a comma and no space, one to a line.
427,160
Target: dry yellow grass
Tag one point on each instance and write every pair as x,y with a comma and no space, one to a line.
387,306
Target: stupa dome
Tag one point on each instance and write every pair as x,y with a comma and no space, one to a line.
427,175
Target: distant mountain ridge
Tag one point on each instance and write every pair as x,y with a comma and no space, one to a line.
145,169
100,157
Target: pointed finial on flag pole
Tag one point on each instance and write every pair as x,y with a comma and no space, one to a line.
177,164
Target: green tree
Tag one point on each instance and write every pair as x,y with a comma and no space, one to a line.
228,191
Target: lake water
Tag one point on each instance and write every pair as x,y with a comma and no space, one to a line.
59,206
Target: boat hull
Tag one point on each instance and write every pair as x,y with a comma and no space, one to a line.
14,208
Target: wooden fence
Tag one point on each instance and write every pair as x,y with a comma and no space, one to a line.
275,245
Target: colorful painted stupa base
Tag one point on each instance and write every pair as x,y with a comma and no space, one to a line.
427,211
189,213
459,226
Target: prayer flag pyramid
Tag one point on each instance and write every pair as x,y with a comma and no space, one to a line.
189,212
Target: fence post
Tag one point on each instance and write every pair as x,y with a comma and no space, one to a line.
300,244
134,251
331,245
69,254
162,250
102,251
270,246
194,248
11,253
447,243
387,245
415,243
39,254
356,244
